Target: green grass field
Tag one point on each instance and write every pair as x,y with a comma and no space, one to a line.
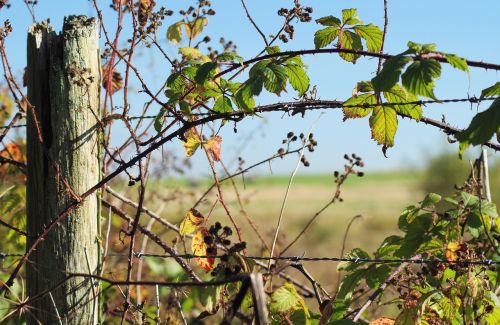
377,197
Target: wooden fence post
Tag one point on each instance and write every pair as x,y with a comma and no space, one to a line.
63,87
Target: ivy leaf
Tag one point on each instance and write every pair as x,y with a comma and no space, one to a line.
389,75
481,128
275,77
372,35
325,36
299,80
284,298
174,32
457,62
223,105
349,16
192,142
192,220
384,124
199,248
351,41
398,94
204,72
195,27
213,147
491,91
329,21
419,77
360,111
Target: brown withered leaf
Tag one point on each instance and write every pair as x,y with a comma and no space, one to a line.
116,79
145,9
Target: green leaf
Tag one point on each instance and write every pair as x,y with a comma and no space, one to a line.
389,75
357,112
339,308
351,41
223,105
185,108
243,98
325,36
377,276
205,71
364,87
419,77
273,49
158,123
275,77
349,284
329,21
174,32
298,78
388,246
415,235
398,94
457,62
349,16
384,124
482,127
491,91
372,35
409,316
284,298
430,200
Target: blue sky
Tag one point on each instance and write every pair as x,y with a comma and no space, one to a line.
461,27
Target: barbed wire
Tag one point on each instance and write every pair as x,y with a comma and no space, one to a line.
355,260
333,104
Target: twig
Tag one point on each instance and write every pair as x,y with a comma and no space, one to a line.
283,204
157,295
486,176
377,292
254,24
55,308
92,285
384,33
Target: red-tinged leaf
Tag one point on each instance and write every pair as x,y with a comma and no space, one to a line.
213,147
199,248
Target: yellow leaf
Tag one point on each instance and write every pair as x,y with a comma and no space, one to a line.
199,248
192,142
192,219
451,250
194,28
213,147
382,321
190,52
6,106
